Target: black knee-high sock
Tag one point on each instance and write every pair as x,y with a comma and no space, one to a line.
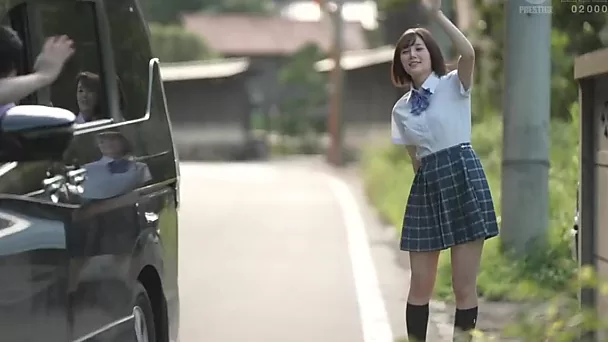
465,321
416,320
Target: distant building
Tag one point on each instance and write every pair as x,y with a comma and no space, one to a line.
267,41
241,35
210,104
368,96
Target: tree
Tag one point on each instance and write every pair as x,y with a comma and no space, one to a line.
573,34
303,93
239,6
166,12
171,43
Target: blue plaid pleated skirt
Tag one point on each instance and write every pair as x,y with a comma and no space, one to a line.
449,203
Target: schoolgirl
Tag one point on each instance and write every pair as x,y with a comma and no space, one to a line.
449,205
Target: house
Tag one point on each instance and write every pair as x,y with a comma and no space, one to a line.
268,42
368,95
245,35
210,104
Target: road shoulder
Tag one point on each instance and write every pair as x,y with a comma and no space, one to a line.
392,265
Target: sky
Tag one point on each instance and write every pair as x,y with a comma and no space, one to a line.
365,12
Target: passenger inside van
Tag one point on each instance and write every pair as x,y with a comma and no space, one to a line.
87,97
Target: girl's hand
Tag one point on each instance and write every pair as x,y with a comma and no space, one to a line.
55,52
432,6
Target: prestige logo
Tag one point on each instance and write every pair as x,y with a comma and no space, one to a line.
536,7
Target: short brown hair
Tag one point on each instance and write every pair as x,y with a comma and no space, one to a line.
92,82
114,135
401,78
89,80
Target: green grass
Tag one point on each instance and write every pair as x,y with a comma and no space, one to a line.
548,270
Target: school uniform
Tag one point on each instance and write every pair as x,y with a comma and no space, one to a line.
107,177
450,201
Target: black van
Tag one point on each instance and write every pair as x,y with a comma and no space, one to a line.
88,206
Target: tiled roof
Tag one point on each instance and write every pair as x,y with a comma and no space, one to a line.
250,35
208,69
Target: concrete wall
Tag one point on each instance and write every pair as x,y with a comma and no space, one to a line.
369,97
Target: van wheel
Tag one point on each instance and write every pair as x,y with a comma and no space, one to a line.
143,317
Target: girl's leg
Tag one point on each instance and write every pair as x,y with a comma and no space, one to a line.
423,266
465,267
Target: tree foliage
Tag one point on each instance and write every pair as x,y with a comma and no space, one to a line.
171,43
572,34
239,6
165,11
303,92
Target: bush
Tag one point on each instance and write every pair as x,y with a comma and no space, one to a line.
388,174
561,319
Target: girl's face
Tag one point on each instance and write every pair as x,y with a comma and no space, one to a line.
86,98
111,147
416,59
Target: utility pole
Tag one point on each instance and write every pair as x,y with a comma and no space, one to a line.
335,120
527,105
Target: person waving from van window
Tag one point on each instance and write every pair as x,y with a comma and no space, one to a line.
49,63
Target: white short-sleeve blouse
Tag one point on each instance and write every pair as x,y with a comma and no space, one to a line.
445,123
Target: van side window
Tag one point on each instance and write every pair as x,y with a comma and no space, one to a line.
81,86
131,55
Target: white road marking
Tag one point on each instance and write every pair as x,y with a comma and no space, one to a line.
373,315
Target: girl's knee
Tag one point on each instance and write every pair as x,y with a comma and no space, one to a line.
422,279
421,287
465,293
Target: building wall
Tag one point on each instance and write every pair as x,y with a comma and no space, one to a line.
369,97
211,116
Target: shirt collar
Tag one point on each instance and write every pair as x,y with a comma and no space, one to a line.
106,160
431,82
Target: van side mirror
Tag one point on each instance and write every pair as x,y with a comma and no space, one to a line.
35,133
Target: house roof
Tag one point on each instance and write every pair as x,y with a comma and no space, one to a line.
227,67
208,69
251,35
359,59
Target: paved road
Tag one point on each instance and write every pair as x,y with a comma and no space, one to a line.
284,252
